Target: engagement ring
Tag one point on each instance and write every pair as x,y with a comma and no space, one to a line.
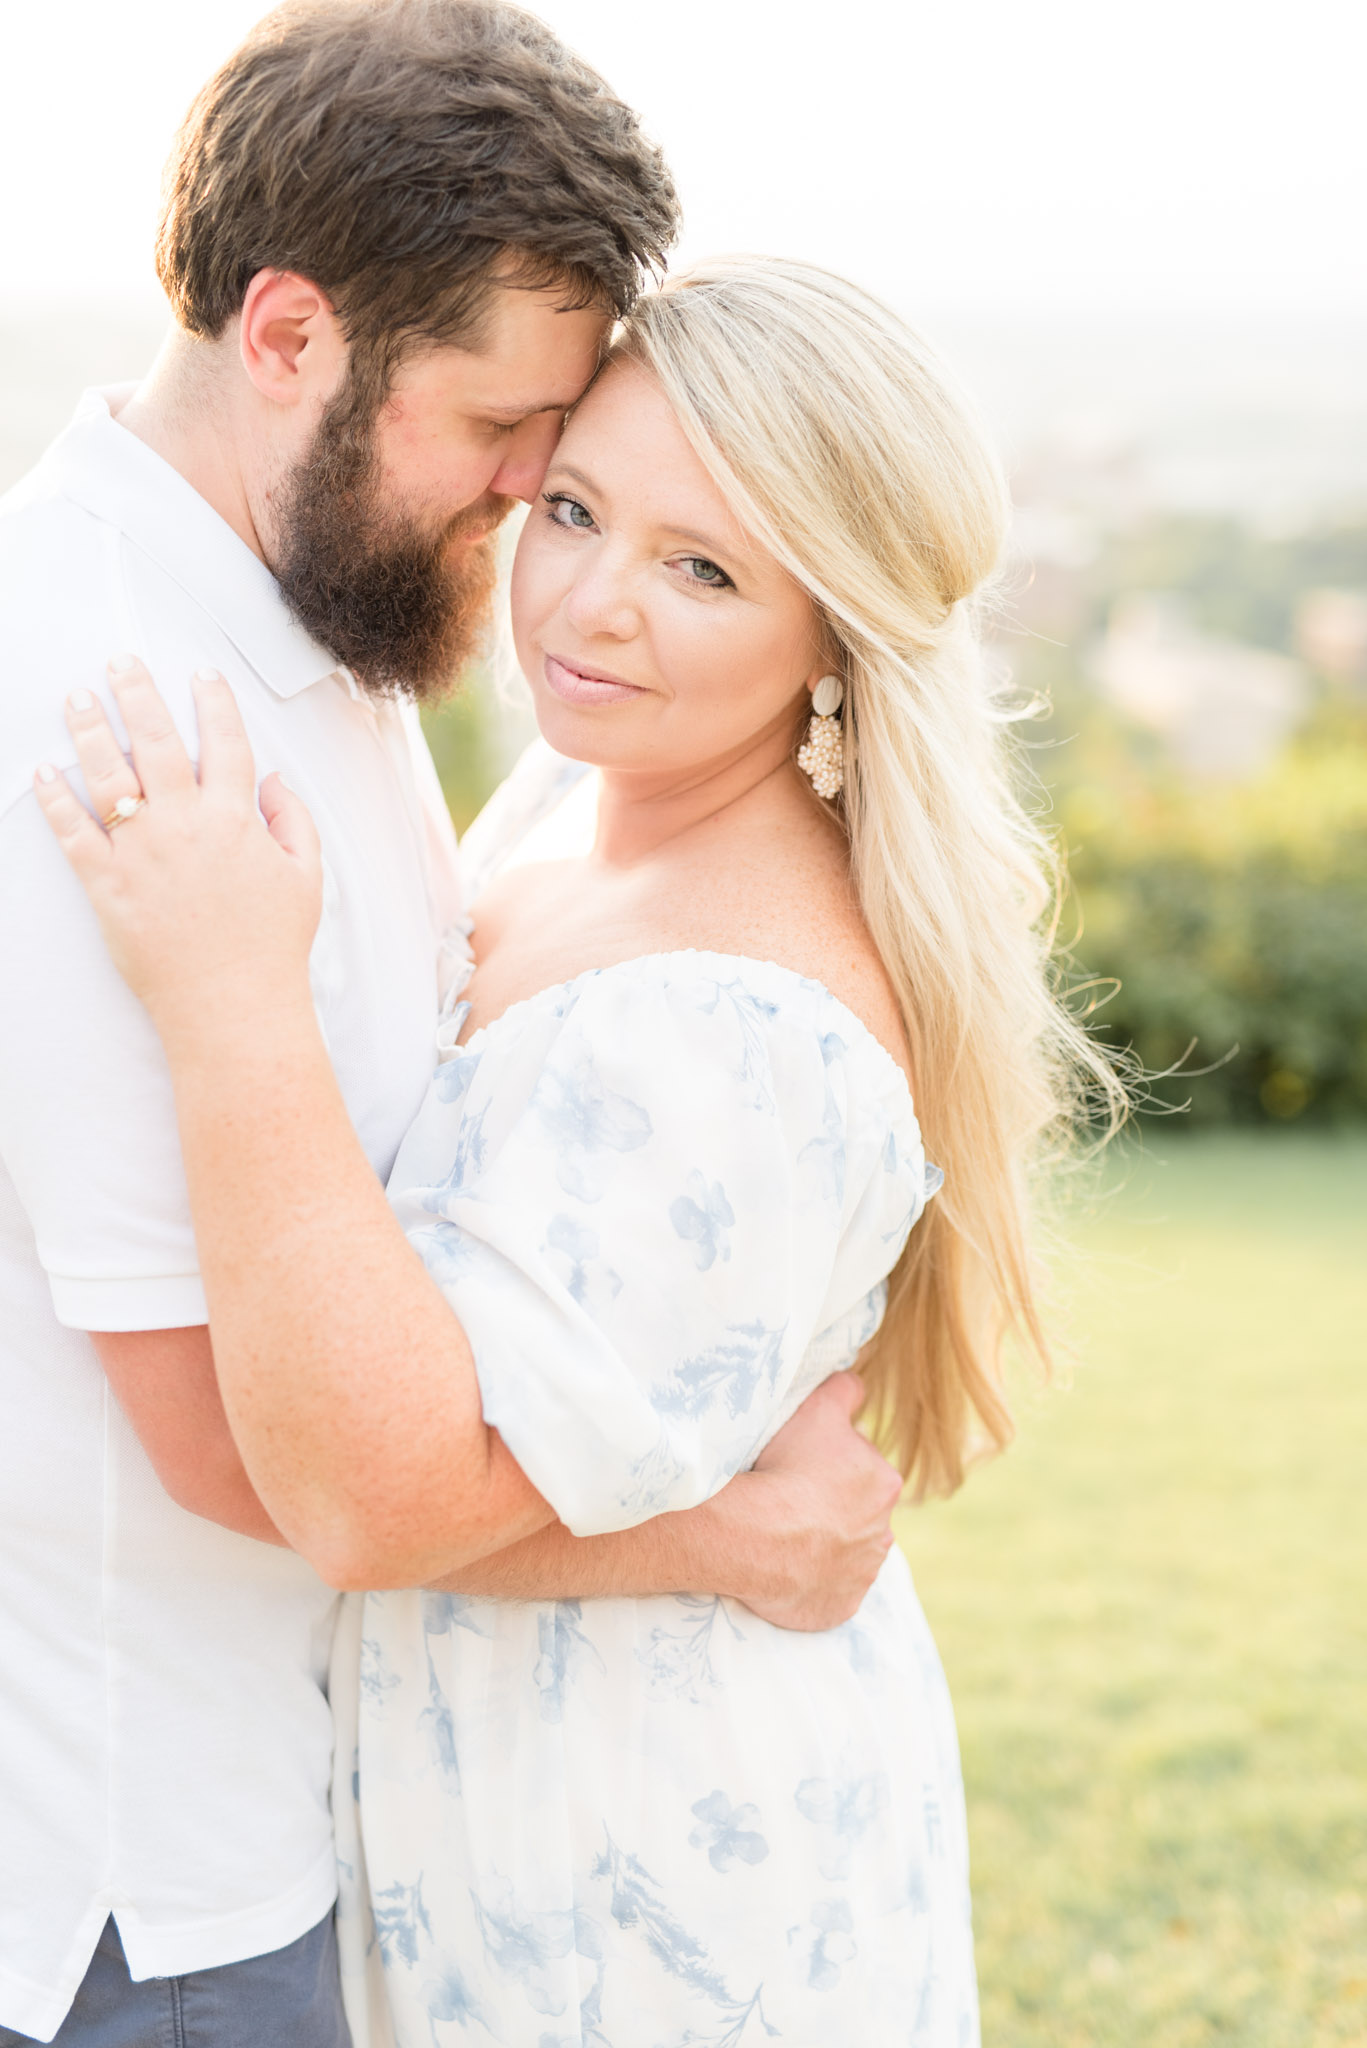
127,807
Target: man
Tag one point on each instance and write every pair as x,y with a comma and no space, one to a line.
395,237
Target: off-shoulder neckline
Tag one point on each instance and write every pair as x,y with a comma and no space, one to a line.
790,975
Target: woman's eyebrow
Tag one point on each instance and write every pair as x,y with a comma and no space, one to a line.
575,475
708,542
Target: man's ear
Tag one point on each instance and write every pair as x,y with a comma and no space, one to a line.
289,339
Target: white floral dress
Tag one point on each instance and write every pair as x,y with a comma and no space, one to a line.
663,1199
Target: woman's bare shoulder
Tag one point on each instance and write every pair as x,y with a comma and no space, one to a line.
830,943
792,902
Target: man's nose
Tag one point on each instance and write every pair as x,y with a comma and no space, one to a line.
527,456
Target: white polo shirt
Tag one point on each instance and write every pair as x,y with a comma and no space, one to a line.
165,1742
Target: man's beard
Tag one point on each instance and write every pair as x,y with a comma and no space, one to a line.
382,591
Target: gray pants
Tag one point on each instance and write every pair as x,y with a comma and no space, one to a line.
291,1998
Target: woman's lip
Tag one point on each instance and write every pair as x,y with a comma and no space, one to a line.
582,686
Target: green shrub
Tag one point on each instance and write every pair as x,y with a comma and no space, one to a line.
1231,925
458,732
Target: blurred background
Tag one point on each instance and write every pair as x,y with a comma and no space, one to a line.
1137,235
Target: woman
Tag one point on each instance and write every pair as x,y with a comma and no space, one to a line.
668,1178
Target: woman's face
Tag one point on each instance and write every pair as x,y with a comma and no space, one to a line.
656,637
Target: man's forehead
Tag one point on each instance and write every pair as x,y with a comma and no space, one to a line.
469,385
511,376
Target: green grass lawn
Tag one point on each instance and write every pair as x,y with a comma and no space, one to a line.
1153,1612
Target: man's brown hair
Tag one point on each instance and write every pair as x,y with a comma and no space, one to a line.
397,153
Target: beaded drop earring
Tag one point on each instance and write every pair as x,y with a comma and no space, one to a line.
821,757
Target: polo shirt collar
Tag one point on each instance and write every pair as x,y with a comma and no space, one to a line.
101,466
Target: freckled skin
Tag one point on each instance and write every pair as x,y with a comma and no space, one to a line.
708,835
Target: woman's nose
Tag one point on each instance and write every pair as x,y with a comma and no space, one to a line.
600,599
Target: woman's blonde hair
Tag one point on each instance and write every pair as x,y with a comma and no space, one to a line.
844,450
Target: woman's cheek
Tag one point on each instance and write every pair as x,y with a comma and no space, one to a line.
535,586
726,666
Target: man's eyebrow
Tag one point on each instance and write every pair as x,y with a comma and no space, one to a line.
513,414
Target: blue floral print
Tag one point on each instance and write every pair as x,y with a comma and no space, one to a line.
747,1357
582,1120
832,1943
400,1919
705,1216
638,1905
727,1831
563,1645
438,1724
578,1246
524,1945
843,1810
441,1612
447,1998
678,1658
664,1199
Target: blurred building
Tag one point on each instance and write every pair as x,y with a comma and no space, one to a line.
1331,633
1089,466
1070,489
1222,708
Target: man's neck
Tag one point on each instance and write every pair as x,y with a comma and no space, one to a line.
185,411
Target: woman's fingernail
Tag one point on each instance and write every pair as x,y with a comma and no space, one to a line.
208,675
81,700
47,773
119,664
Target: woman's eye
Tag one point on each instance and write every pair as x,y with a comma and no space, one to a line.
567,511
703,571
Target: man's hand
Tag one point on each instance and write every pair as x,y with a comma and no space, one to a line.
799,1540
818,1534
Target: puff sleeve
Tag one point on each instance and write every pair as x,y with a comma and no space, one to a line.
645,1195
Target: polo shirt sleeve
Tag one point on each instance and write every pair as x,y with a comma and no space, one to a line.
87,1121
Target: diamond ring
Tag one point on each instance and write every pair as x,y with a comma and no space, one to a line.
127,807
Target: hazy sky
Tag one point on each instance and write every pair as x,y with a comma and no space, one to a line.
1209,154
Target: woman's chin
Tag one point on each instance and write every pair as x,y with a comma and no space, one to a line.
582,733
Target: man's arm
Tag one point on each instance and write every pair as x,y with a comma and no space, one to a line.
799,1540
304,1262
164,1382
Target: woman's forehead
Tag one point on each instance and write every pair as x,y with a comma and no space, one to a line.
624,439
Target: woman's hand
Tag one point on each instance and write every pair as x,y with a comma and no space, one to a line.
205,897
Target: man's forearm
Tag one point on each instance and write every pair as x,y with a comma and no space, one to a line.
316,1301
799,1540
715,1548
